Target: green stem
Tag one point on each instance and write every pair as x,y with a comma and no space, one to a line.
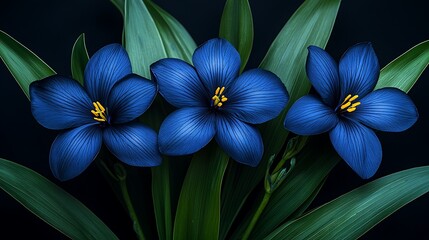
255,217
130,208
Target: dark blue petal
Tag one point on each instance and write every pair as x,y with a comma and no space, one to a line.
239,140
134,144
186,131
387,109
107,66
59,103
179,83
322,71
130,98
73,151
309,116
217,63
256,96
359,70
358,146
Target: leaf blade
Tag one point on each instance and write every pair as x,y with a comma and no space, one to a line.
198,209
142,39
50,203
404,71
25,66
79,58
236,26
354,213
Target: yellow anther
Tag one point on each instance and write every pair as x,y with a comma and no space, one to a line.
217,91
355,104
99,112
353,98
348,103
345,105
351,109
218,99
221,90
347,98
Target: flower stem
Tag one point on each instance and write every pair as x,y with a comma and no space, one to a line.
130,208
257,214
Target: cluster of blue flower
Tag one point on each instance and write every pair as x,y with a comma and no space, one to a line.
214,101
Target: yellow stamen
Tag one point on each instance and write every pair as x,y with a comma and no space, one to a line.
218,99
355,104
99,112
348,103
217,91
351,109
347,98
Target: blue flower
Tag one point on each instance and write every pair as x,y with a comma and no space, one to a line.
347,107
101,111
214,101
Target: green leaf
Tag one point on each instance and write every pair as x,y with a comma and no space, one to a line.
23,64
313,165
354,213
162,199
177,41
50,203
79,58
404,71
198,210
236,26
142,40
311,24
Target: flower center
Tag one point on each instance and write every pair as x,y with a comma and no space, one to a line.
348,104
99,112
218,99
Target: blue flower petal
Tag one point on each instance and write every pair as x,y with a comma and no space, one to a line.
387,109
309,116
239,140
186,131
358,146
74,150
359,70
256,96
107,66
58,103
134,144
130,98
322,71
179,83
217,63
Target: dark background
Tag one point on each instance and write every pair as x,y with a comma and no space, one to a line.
50,27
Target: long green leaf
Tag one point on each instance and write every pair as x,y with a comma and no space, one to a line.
312,166
198,210
177,41
142,40
50,203
79,58
356,212
22,63
236,26
311,24
162,199
404,71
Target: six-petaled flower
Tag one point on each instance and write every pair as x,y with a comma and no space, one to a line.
347,107
101,111
213,101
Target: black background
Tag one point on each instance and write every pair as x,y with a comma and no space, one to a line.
50,27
